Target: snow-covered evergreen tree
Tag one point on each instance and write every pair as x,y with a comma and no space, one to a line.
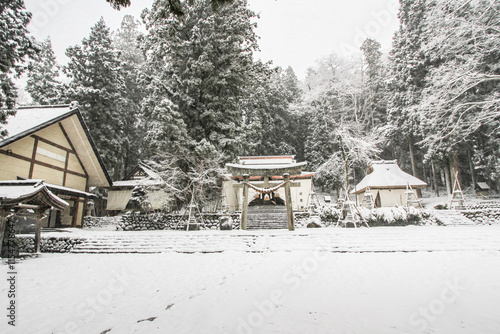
460,106
267,117
126,40
407,71
43,72
98,84
374,85
201,64
16,45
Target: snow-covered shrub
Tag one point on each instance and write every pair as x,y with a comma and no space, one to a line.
395,216
329,214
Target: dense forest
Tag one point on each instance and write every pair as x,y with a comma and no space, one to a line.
187,95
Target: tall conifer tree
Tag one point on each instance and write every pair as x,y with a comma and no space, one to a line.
15,47
98,84
201,64
43,72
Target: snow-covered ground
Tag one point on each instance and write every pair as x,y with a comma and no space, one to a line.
451,289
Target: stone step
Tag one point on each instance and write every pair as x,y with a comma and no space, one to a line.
331,240
451,217
265,217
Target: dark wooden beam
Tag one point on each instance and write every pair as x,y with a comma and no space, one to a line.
33,159
73,148
18,156
66,168
51,143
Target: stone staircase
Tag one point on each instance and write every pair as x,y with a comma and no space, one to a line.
338,240
266,217
451,217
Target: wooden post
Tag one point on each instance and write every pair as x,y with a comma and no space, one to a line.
3,223
38,229
244,210
288,197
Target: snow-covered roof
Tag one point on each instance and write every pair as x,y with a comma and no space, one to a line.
65,190
267,160
152,174
33,192
387,174
133,183
149,177
28,118
483,186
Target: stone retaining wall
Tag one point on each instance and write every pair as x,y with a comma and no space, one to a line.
483,216
89,222
171,221
26,244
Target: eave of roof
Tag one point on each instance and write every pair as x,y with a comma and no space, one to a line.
32,192
56,189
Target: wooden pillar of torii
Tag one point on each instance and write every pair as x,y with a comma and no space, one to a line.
245,172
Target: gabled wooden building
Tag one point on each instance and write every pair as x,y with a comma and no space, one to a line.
387,183
143,176
53,143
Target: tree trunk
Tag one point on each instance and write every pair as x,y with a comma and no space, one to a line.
435,178
447,178
411,146
472,172
346,165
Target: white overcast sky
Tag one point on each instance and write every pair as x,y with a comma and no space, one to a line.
292,32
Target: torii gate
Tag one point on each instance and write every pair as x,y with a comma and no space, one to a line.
246,171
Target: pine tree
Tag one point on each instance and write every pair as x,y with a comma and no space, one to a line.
201,63
267,117
175,7
459,108
373,84
98,84
407,72
126,41
15,47
43,84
